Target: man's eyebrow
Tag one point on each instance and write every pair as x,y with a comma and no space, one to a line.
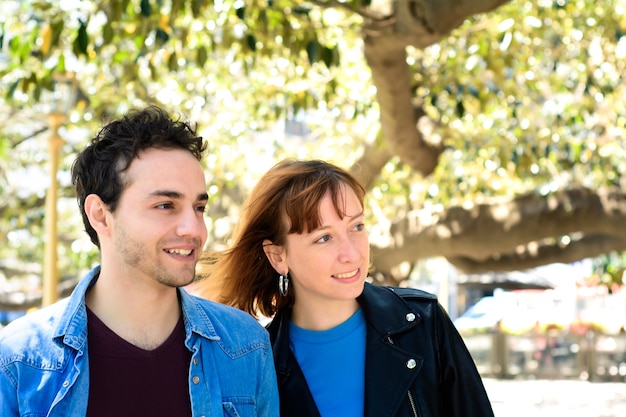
176,195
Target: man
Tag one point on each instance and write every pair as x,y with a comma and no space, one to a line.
130,341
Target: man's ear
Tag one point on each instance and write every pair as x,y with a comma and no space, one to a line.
275,255
97,213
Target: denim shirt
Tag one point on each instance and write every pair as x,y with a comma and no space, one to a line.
44,360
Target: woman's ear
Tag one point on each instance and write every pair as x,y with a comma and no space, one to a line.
97,213
275,254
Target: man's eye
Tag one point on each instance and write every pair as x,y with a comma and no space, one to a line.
164,206
201,209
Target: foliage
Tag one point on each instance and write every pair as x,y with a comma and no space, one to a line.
528,97
610,271
202,62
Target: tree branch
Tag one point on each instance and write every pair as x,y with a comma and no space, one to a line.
529,230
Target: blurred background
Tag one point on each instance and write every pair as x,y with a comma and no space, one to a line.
488,134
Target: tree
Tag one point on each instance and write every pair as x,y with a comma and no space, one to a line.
490,131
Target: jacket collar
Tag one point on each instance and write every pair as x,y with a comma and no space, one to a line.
279,334
398,316
392,362
385,311
72,330
391,367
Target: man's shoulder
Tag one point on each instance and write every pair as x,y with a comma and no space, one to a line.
31,333
224,312
226,323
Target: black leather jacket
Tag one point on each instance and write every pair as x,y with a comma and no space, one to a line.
416,361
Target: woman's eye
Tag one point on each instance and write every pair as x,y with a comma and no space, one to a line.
324,238
360,226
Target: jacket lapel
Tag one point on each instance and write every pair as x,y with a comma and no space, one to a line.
296,398
390,368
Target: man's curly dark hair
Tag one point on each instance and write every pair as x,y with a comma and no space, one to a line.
97,169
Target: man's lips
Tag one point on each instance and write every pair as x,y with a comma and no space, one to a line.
180,251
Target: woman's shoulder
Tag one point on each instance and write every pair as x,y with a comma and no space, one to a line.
407,293
414,293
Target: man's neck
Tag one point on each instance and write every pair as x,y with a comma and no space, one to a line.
143,317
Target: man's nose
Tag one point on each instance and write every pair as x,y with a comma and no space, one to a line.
191,223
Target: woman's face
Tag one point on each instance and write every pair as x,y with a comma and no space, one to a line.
328,266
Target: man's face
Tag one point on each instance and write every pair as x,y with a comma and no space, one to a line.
158,229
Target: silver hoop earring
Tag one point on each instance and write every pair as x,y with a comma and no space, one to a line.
283,284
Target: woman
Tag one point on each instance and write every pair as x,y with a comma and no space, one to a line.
342,347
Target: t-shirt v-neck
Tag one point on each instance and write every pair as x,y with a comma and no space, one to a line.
126,380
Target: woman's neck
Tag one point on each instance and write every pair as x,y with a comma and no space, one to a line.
322,316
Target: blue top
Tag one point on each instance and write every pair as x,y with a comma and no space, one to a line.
44,360
333,363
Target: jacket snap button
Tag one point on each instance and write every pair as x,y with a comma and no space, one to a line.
195,379
410,317
411,363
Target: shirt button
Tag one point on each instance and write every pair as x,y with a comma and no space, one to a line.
195,379
411,363
410,317
195,361
66,384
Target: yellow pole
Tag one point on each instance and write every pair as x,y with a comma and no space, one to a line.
50,272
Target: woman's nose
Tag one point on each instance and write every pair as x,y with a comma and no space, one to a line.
349,250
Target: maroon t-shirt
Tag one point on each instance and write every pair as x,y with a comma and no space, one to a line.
129,381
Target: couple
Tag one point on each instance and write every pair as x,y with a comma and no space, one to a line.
130,341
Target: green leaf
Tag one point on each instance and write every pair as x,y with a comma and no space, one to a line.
298,9
27,82
336,57
172,62
312,51
330,56
146,8
201,56
175,9
161,36
460,109
326,56
116,8
12,88
196,6
82,40
251,41
241,12
107,33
